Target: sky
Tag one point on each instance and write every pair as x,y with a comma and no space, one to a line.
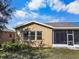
44,11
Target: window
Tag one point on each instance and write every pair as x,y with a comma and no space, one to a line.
26,35
10,35
39,35
32,35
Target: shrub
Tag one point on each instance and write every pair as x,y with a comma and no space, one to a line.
9,46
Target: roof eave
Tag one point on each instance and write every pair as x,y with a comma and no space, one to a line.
34,22
66,27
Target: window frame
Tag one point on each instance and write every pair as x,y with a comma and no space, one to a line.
24,36
39,35
29,35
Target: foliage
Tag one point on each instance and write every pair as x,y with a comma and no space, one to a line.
44,53
9,46
23,51
5,12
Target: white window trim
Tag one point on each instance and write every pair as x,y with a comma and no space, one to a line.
30,35
35,35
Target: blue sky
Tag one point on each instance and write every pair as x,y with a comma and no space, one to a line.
44,11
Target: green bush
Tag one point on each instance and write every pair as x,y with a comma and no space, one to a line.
9,46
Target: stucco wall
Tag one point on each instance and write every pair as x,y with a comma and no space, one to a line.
46,33
5,36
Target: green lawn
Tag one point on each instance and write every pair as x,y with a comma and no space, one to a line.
50,53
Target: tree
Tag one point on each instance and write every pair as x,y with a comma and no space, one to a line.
32,52
5,13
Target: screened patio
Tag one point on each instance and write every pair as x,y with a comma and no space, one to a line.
66,38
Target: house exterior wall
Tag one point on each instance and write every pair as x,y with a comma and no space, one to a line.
7,36
46,33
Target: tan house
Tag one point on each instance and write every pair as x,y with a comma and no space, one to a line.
7,35
61,34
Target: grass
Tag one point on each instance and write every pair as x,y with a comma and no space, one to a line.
64,54
47,53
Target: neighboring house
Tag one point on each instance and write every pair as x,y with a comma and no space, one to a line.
60,34
7,35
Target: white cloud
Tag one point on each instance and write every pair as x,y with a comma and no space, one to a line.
34,15
53,4
56,5
20,22
73,7
36,4
20,13
23,16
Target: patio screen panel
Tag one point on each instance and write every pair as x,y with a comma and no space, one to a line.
76,37
60,37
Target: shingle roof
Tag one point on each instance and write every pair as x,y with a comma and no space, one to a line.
7,30
62,24
35,23
54,25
